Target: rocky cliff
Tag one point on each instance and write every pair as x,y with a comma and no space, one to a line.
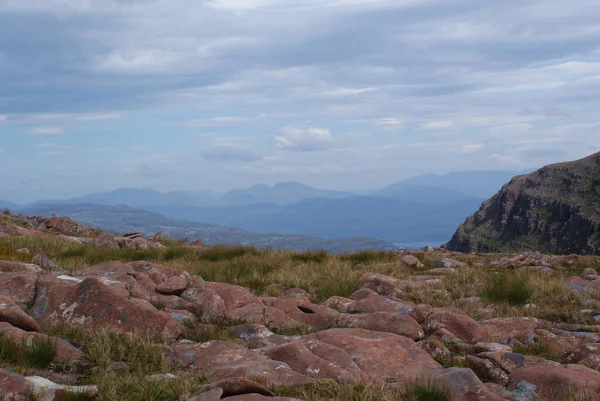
554,209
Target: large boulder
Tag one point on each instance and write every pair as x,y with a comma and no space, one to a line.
381,356
504,329
91,302
560,382
382,321
227,360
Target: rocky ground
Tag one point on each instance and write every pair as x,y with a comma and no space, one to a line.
89,315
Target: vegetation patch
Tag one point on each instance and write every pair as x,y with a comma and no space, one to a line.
512,288
310,256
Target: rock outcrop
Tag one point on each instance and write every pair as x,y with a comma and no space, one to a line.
555,209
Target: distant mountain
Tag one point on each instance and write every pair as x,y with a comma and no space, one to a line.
279,194
7,205
394,220
146,197
414,193
555,209
123,218
477,184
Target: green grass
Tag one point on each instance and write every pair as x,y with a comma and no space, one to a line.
38,354
73,396
310,256
512,288
220,253
543,351
202,333
8,350
419,391
366,257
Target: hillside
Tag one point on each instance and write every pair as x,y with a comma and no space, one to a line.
554,209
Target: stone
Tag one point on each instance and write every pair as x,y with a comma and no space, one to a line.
503,329
13,387
435,348
258,336
379,283
50,391
19,286
457,323
238,386
44,262
11,313
173,286
559,381
306,313
92,303
368,301
491,347
14,267
304,358
511,361
106,240
447,263
411,261
65,352
487,371
339,304
589,272
383,321
227,360
463,384
383,357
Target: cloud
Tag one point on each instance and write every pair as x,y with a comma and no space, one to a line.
437,125
45,131
2,118
389,122
304,139
223,121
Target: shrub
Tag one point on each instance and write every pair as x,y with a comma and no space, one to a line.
310,256
38,353
219,252
426,391
365,257
512,288
202,333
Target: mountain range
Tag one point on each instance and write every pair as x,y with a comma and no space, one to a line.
419,211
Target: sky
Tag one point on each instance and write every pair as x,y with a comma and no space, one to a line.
221,94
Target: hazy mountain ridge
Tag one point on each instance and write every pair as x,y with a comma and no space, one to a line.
554,209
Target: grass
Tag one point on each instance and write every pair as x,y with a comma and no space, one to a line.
512,288
35,353
202,333
310,256
543,351
326,390
38,354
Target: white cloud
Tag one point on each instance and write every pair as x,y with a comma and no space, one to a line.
304,139
45,145
2,117
223,121
437,125
471,147
389,122
45,131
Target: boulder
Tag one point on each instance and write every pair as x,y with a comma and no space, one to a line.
463,384
411,261
13,387
227,360
13,267
50,391
368,301
379,283
559,382
106,240
435,348
306,313
173,286
447,263
504,329
457,323
20,286
92,303
383,321
303,358
384,357
11,313
258,336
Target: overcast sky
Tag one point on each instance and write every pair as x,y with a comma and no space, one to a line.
191,94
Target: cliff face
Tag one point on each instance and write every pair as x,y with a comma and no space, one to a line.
554,209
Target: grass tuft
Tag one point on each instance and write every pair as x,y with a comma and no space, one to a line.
8,351
512,288
38,353
310,256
